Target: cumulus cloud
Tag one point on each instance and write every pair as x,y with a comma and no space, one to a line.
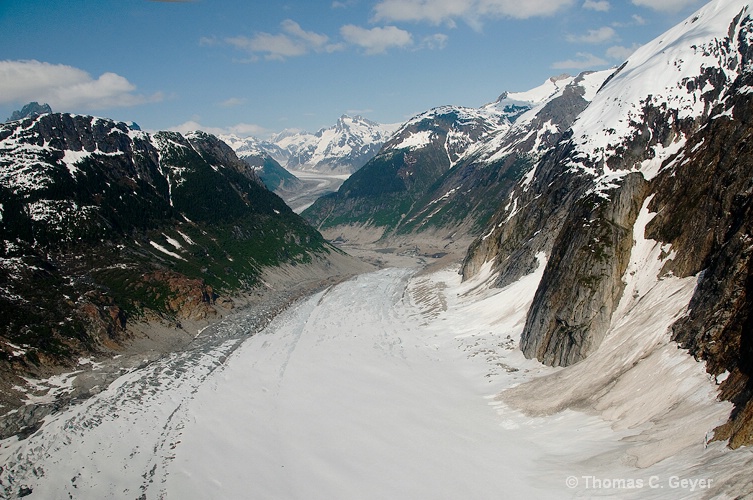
293,41
584,61
472,11
667,5
600,35
598,6
66,87
433,11
312,39
376,40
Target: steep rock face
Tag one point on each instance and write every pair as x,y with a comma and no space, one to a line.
678,138
582,283
30,111
101,225
706,215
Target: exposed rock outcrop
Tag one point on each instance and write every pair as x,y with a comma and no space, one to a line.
705,211
30,111
582,283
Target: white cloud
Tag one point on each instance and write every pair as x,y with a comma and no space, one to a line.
598,6
65,87
314,40
376,40
601,35
208,41
584,61
293,42
433,11
435,42
239,129
621,53
472,11
666,5
277,47
233,102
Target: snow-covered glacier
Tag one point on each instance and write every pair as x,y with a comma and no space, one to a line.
385,386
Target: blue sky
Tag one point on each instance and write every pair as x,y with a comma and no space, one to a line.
254,68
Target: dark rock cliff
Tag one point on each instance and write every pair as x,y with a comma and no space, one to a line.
582,283
705,211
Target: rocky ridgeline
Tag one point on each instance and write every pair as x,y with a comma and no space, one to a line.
30,111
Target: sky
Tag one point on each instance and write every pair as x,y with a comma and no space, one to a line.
255,68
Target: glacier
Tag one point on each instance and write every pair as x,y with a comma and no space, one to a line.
398,383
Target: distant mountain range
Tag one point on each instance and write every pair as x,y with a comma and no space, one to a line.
275,177
444,171
30,111
342,149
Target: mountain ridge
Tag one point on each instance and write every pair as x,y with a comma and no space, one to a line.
104,228
341,148
634,194
447,167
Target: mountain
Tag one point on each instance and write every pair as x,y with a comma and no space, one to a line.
343,148
103,227
256,153
443,172
643,206
30,111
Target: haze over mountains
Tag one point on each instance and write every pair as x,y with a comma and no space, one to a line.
601,222
343,148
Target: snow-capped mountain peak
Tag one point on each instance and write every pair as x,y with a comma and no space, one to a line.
690,68
512,103
344,147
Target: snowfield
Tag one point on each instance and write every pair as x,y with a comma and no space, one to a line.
391,385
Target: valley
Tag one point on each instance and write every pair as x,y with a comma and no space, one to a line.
314,185
546,296
392,384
